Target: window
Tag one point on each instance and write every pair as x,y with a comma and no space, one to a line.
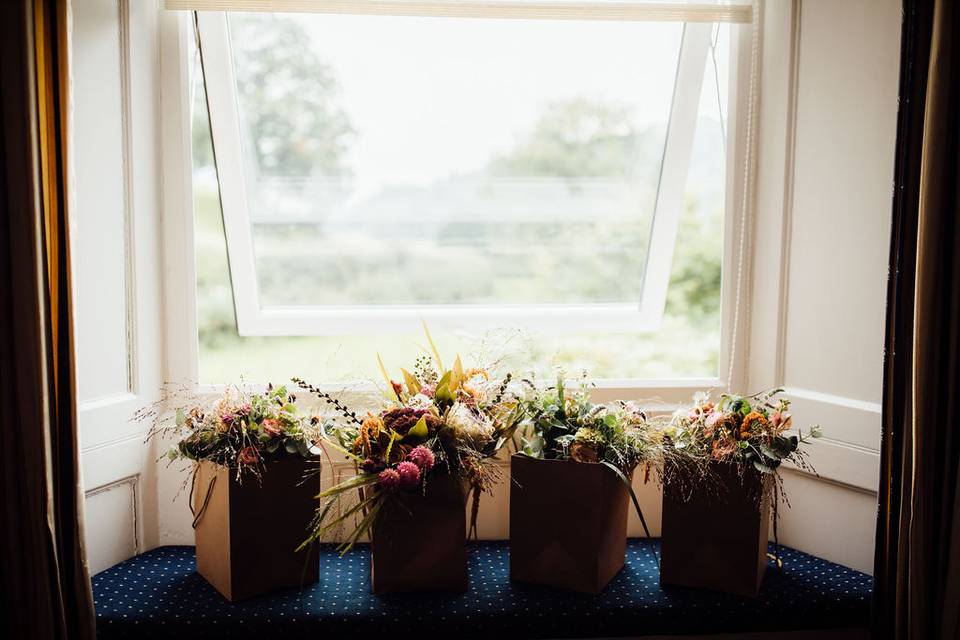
556,185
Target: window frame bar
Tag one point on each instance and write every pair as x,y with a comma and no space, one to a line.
674,169
623,10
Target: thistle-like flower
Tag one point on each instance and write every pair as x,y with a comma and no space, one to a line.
422,457
389,480
409,475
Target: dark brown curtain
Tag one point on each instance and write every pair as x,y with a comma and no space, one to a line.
917,568
46,588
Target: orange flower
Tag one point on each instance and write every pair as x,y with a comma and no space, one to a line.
248,455
754,421
369,430
723,449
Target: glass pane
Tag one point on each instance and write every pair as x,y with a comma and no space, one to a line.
686,345
395,160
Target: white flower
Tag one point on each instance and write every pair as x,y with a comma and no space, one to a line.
467,425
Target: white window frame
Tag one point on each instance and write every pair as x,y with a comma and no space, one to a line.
178,227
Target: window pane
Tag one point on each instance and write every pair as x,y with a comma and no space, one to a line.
435,161
297,159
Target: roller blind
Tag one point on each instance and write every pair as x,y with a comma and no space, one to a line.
678,11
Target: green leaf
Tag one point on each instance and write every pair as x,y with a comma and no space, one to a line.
443,393
413,385
389,391
533,447
419,430
303,448
565,441
433,346
394,436
363,527
350,483
762,468
342,447
181,417
779,447
633,496
317,522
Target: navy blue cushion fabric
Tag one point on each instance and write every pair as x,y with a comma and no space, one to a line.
160,595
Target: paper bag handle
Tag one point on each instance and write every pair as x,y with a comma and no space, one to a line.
206,499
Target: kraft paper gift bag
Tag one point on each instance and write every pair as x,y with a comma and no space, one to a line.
248,532
715,528
418,541
568,523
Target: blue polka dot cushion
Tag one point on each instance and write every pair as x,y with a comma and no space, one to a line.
160,595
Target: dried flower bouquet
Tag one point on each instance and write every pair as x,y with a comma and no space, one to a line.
240,430
436,421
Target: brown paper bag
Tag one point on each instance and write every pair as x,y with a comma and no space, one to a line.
715,529
418,541
568,523
247,533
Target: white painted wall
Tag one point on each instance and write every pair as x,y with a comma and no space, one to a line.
115,207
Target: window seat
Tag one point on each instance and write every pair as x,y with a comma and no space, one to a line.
159,595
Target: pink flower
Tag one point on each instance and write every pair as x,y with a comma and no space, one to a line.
422,457
781,421
271,427
409,475
715,419
428,390
389,480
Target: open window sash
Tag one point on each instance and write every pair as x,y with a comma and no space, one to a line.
257,319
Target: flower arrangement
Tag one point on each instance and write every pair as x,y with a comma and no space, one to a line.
751,430
720,464
241,431
436,420
564,424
